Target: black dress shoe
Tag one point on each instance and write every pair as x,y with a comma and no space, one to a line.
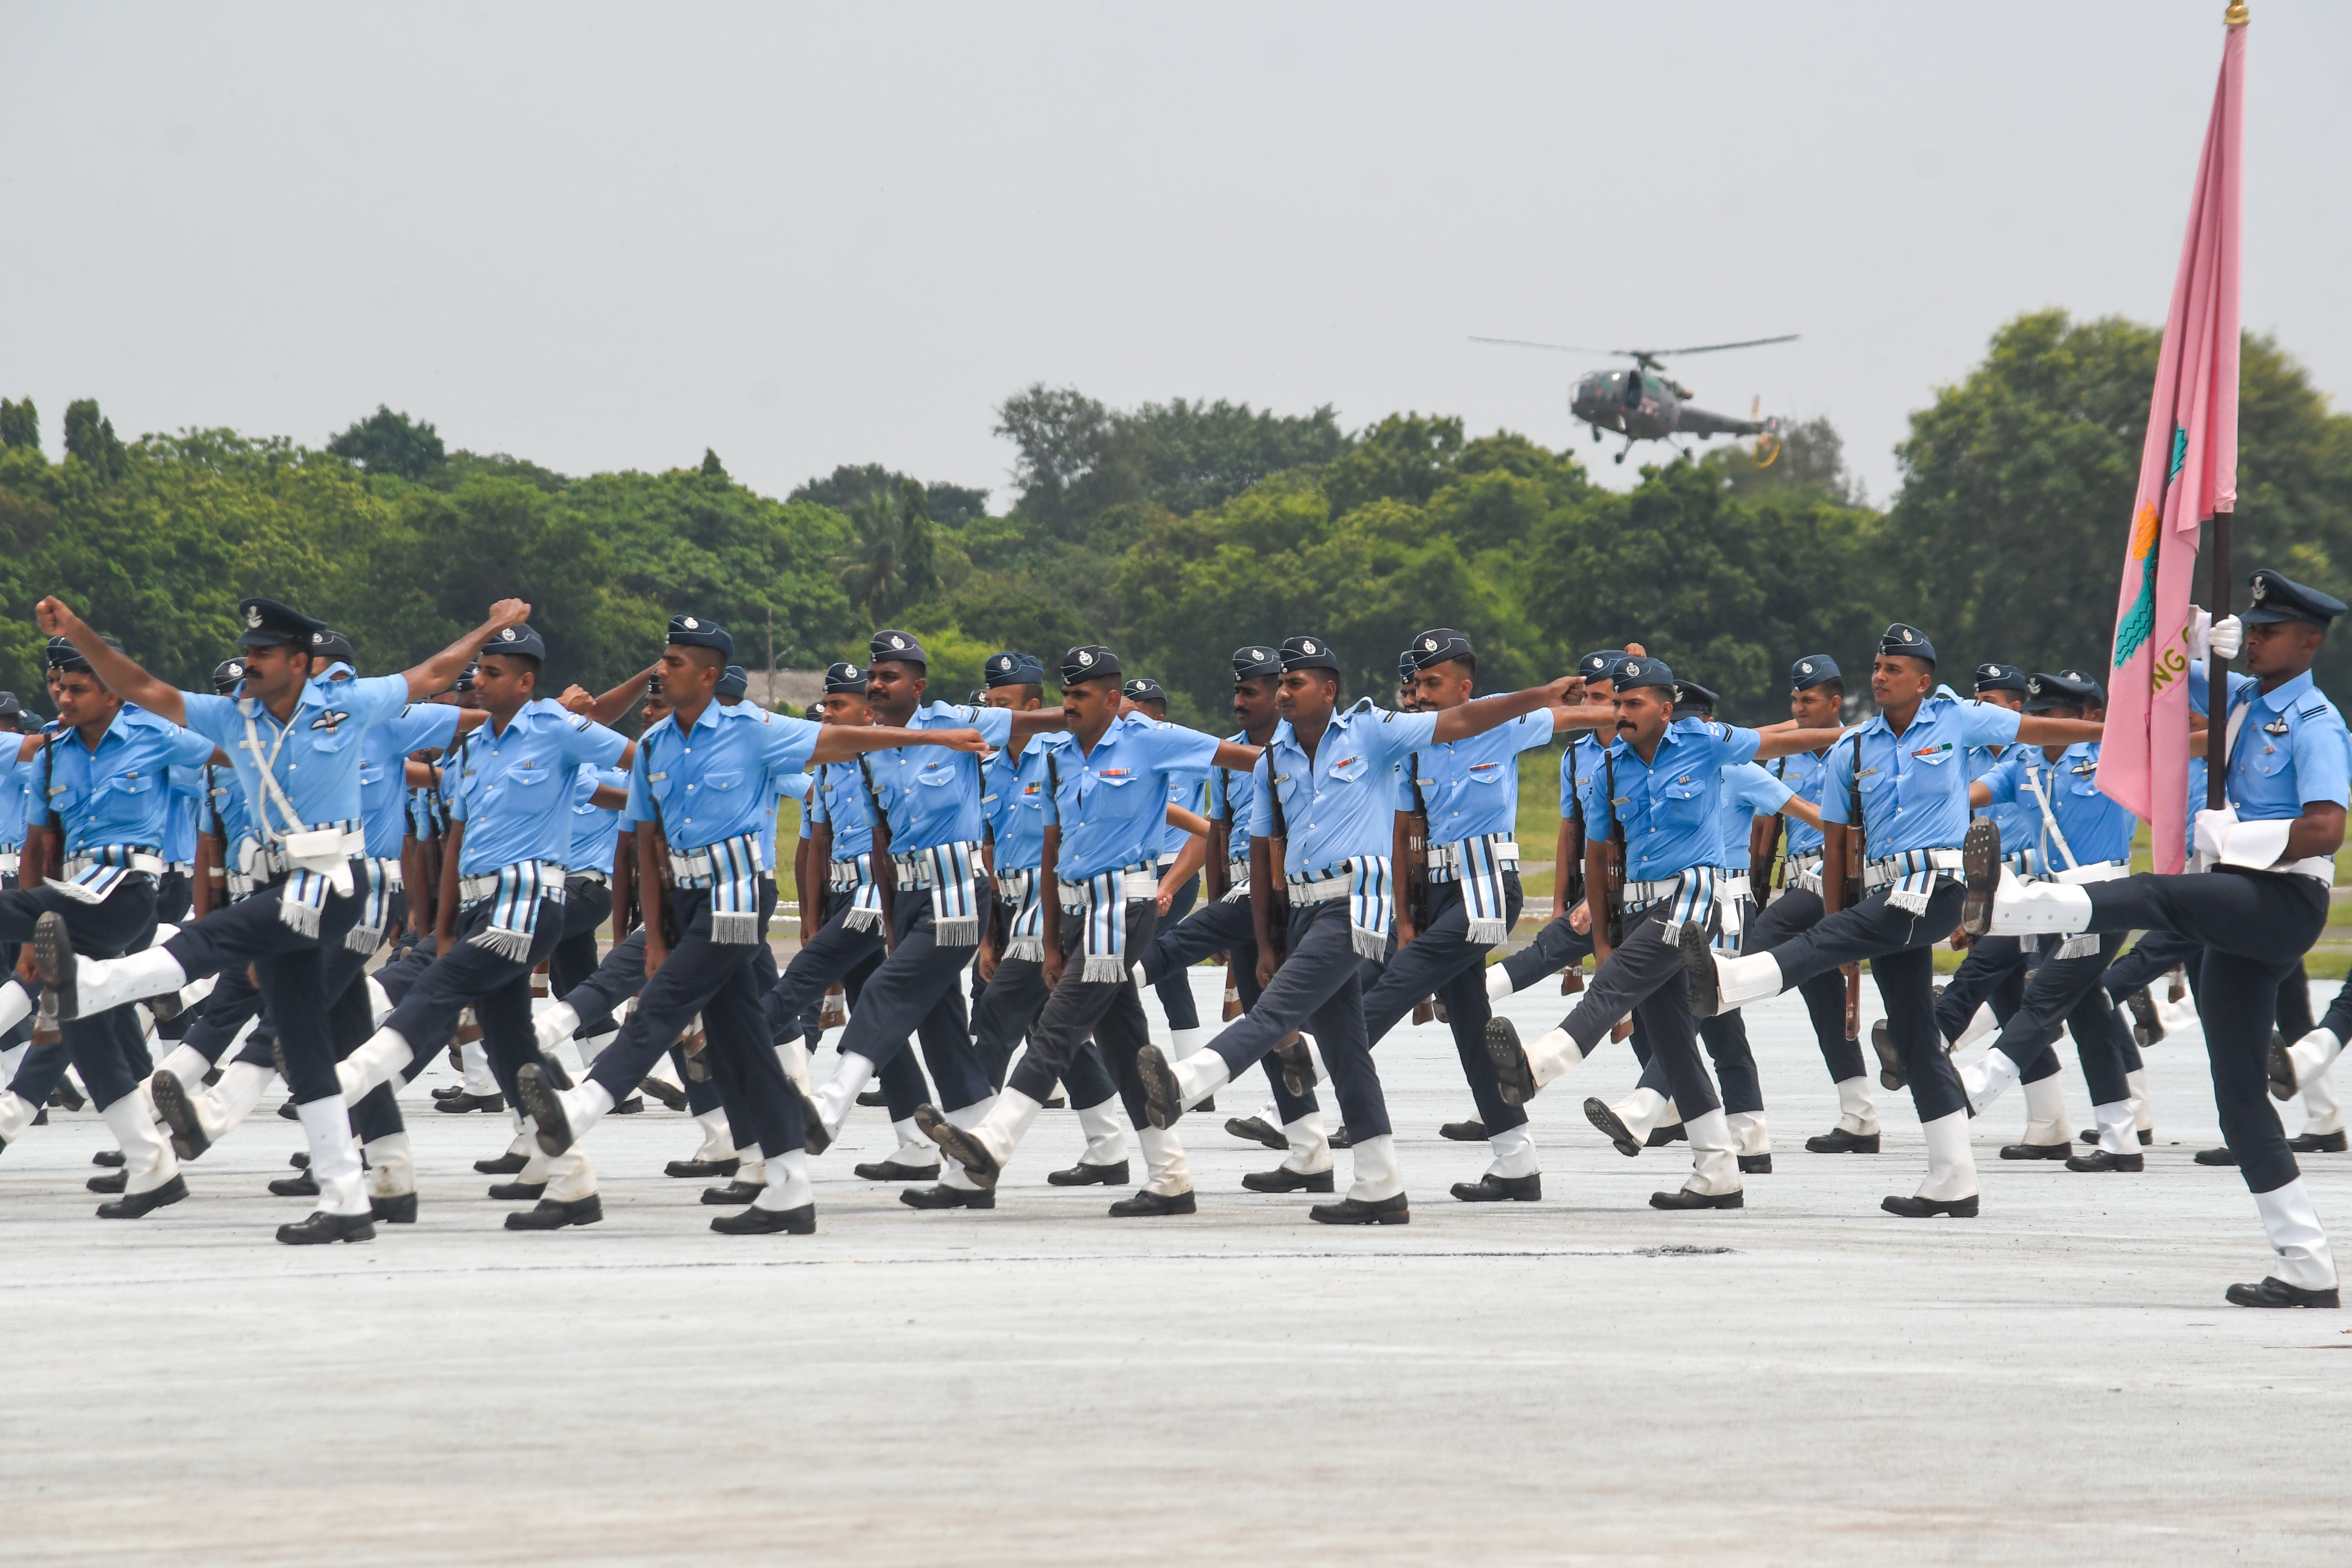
1297,1066
212,1077
301,1186
633,1106
555,1214
1162,1104
1597,1112
2100,1160
289,1112
555,1073
1282,1179
1254,1130
300,1159
1927,1208
1660,1137
671,1099
892,1171
458,1104
756,1221
1463,1132
947,1198
1698,968
504,1165
320,1227
106,1157
872,1097
1980,872
2148,1025
1494,1189
2222,1156
1684,1199
450,1091
2281,1068
2276,1292
734,1192
1052,1103
131,1205
2036,1150
2317,1142
517,1191
552,1126
814,1137
1516,1078
1892,1073
1340,1138
1085,1176
398,1209
1756,1164
703,1170
1151,1205
1838,1141
957,1144
1355,1211
112,1182
53,957
65,1097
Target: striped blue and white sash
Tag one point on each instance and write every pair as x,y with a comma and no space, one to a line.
1024,930
514,893
1913,874
855,874
92,874
1369,884
378,880
947,870
1103,900
731,868
1478,865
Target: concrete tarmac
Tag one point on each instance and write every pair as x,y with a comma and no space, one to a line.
1579,1380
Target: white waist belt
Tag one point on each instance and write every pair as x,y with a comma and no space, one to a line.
136,860
915,870
1446,858
1132,885
473,889
9,861
2097,871
600,878
1895,868
1731,884
695,868
1642,894
1804,872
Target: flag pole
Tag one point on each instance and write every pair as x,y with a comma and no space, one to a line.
2217,674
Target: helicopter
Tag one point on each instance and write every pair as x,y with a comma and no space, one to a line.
1642,403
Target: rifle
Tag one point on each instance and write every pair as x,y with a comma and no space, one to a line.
885,871
1216,880
1764,849
1277,856
1850,887
1570,876
1614,854
1416,870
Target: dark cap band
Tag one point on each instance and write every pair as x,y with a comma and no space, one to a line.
844,677
695,631
900,648
1092,662
1308,653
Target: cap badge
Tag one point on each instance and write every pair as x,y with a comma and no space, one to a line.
689,623
1806,668
2260,587
1429,645
1307,645
508,635
252,620
1086,658
898,642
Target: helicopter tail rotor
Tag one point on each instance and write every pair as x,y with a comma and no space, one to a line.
1768,440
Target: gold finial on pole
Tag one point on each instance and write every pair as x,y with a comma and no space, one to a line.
2235,16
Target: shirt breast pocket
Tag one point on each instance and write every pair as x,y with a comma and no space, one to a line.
1682,802
371,776
722,780
1347,770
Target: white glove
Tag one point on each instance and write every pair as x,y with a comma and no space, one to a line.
2213,830
2226,637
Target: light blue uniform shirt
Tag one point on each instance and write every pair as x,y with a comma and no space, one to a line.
225,814
2095,828
932,793
1914,786
514,788
384,769
1669,808
1804,775
1748,792
596,829
120,794
783,786
13,776
1472,787
1111,802
1227,796
838,800
1188,790
317,765
2020,825
710,783
1342,806
2291,749
187,785
1017,807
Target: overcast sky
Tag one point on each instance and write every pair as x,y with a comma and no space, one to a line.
607,236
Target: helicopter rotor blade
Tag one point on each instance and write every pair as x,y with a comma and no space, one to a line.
1713,347
1555,348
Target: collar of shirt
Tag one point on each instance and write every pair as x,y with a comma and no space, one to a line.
2277,700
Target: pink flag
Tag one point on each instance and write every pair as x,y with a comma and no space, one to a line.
2187,472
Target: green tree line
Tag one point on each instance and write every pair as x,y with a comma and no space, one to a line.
1176,531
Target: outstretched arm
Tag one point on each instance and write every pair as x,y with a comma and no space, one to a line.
1037,722
1235,756
1481,714
612,705
1788,743
121,674
839,743
439,672
2044,731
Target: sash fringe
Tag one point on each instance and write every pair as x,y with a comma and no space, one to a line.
735,927
509,944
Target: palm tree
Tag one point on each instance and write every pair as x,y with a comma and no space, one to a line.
889,564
